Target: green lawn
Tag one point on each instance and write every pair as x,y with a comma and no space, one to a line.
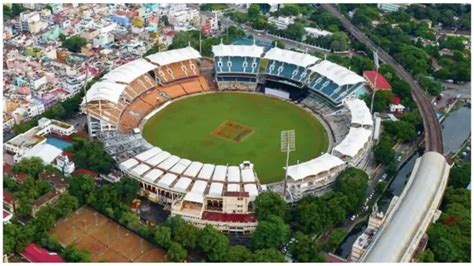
185,127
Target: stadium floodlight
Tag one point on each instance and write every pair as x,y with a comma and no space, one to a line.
287,144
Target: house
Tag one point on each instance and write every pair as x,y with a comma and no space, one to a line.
43,201
9,201
33,253
58,182
396,106
376,80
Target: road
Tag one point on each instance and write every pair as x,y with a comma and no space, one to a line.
433,135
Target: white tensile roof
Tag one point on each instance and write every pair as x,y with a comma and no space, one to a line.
47,152
168,163
216,189
313,167
173,56
152,175
220,173
233,174
166,180
206,171
252,190
290,57
199,187
237,50
128,163
193,169
140,169
248,175
105,90
194,197
160,157
360,113
182,184
338,74
130,71
179,167
354,141
148,154
233,187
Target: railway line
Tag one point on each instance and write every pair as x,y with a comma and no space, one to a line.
431,125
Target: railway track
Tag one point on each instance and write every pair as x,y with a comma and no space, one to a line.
432,128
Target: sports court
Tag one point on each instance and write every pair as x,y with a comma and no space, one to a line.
105,239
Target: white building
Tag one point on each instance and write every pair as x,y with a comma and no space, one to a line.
388,7
64,165
315,32
281,22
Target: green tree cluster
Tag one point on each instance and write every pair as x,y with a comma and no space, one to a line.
74,43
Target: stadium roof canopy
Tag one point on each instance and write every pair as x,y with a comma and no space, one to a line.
128,163
105,90
160,157
193,169
173,56
237,50
338,74
216,189
354,141
130,71
232,187
323,163
290,57
148,154
360,113
194,197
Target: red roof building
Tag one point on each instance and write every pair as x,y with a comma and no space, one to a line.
396,100
229,217
373,77
33,253
82,171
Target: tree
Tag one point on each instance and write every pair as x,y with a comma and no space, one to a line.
176,253
253,10
383,151
280,44
339,41
402,131
214,243
72,254
268,255
270,203
31,166
74,43
460,175
352,183
336,237
379,188
91,155
162,236
295,31
270,233
182,232
425,256
238,253
81,187
304,249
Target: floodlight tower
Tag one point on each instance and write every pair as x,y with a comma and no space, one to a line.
287,144
376,62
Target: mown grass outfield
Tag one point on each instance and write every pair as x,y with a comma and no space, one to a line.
229,128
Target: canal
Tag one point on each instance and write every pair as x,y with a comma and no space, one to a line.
456,129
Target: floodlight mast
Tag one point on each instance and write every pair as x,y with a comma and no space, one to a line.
287,144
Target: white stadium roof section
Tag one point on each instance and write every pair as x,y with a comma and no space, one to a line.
105,90
180,166
338,74
128,164
220,173
233,187
130,71
412,212
140,169
216,189
199,187
290,57
248,176
168,163
237,50
233,174
148,154
360,113
206,171
152,175
354,141
252,190
182,184
166,180
313,167
193,169
160,157
173,56
194,197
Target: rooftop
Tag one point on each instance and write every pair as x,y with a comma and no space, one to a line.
381,84
34,253
229,217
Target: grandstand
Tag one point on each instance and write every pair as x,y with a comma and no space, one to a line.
175,65
334,82
236,66
354,145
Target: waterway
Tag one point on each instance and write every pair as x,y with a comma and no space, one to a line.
456,129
